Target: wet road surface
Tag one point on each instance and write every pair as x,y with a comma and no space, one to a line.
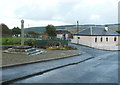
103,68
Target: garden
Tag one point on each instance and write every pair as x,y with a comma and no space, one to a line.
46,44
14,41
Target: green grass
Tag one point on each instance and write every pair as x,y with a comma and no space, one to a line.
118,44
10,41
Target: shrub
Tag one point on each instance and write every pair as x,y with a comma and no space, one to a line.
12,40
71,48
5,41
30,42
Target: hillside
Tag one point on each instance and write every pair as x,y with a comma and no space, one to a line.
37,29
72,28
42,29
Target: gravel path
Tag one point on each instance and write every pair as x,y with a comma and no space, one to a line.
9,59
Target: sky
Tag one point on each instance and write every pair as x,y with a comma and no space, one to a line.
58,12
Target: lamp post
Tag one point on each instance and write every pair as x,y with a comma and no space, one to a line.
77,26
77,32
22,32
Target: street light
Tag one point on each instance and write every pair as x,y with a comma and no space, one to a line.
77,32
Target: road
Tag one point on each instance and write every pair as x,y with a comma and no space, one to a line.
101,67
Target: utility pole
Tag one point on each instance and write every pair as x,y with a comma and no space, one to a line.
22,32
77,31
77,26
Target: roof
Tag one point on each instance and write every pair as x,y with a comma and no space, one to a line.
62,32
97,31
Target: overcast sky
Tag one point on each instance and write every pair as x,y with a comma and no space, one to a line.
58,12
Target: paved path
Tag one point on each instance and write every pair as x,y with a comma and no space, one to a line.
9,59
75,72
102,69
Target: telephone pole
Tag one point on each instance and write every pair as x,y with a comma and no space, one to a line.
77,32
77,26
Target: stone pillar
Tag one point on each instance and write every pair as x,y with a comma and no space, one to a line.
22,32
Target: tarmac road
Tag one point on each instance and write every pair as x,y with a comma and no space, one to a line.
101,68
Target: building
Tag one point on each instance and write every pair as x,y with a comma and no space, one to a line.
63,34
60,35
100,38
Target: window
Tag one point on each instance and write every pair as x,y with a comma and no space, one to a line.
78,37
101,39
95,39
115,39
107,39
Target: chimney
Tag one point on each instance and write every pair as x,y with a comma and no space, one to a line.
106,28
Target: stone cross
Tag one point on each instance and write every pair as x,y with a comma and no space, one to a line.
22,32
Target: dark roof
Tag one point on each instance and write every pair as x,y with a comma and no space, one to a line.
97,31
118,32
62,32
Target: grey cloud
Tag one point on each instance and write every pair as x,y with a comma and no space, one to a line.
35,13
68,13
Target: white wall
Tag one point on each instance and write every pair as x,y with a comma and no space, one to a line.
66,36
90,41
106,45
84,40
60,36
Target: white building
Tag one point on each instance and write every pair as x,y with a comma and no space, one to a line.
63,34
100,38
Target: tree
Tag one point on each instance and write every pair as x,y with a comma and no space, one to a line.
51,30
16,31
33,33
6,32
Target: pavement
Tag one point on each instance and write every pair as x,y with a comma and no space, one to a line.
102,69
11,73
10,59
91,66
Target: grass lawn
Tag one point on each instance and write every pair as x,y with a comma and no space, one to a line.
12,41
118,45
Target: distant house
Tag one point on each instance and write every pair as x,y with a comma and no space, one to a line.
101,38
63,34
45,35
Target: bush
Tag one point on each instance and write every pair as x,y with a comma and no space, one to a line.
16,41
11,41
5,42
30,42
63,48
71,48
